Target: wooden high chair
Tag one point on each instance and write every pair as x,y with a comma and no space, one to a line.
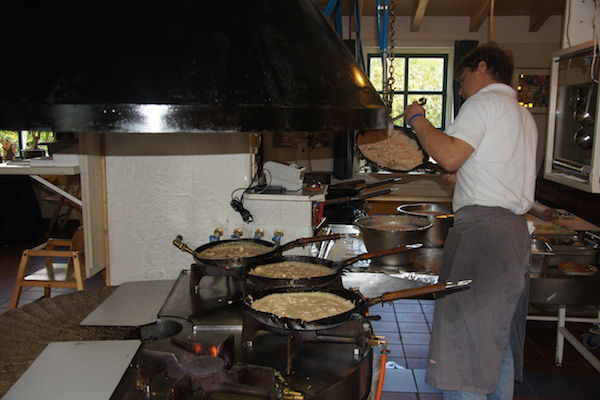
57,273
63,207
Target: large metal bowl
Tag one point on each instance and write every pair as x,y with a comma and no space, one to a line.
380,232
440,214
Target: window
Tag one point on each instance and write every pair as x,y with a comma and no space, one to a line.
416,76
27,140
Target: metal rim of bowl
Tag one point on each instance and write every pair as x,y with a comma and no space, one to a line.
449,214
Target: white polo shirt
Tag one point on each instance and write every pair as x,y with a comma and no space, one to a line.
501,171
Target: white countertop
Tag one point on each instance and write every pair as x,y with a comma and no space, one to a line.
87,370
132,304
25,168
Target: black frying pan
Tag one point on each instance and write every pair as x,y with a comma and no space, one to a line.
336,268
425,165
361,305
246,262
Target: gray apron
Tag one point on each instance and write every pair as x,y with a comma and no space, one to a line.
491,246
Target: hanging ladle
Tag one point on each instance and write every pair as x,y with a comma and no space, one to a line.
582,137
585,118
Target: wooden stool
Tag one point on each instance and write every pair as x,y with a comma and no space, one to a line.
55,274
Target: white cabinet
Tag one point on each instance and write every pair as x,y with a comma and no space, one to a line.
573,147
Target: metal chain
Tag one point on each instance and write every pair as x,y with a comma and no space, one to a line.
389,89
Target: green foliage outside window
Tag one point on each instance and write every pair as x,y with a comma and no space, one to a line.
13,136
415,76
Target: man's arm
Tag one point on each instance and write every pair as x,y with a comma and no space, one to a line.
451,153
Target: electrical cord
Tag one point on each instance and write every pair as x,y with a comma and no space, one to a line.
238,203
238,206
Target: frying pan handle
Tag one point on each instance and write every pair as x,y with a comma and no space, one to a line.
341,200
407,293
178,242
380,253
312,239
381,192
347,183
381,183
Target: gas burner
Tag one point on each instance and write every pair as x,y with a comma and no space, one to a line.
201,270
356,332
202,371
185,368
326,364
225,287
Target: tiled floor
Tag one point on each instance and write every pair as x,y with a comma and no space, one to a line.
406,324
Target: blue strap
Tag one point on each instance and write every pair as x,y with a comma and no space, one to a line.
382,14
413,117
330,7
338,20
360,56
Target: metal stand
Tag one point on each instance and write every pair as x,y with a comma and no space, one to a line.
563,333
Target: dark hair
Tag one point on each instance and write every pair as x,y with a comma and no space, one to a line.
499,62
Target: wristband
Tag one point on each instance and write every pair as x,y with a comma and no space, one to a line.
413,117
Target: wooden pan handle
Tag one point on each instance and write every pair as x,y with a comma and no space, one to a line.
406,293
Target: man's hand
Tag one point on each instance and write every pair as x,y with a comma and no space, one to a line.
411,110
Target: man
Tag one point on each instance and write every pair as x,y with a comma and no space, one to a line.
476,348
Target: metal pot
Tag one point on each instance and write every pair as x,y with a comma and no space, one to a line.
386,231
440,215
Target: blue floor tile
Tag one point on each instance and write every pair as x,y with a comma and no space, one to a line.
399,380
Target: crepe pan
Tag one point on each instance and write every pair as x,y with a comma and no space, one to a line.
361,304
425,165
245,262
336,267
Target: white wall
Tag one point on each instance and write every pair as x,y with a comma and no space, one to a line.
159,186
578,28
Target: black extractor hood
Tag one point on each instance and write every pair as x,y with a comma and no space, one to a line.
179,66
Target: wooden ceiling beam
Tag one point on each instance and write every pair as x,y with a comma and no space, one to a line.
418,12
479,15
537,18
